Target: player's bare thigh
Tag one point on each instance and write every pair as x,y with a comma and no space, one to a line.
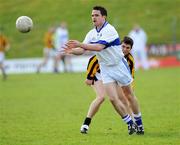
99,88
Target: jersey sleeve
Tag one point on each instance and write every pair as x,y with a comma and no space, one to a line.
87,39
131,63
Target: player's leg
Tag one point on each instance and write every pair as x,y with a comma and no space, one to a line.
144,59
113,76
44,62
135,107
64,60
45,59
2,57
3,71
94,107
124,100
100,96
112,92
57,58
131,98
67,63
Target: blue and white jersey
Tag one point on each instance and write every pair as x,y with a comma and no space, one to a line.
108,36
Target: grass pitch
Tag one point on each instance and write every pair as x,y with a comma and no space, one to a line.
48,109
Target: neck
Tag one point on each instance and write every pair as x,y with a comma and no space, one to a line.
100,26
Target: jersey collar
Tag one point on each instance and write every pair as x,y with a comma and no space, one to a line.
105,23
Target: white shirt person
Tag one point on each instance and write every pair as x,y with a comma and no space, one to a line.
104,39
139,48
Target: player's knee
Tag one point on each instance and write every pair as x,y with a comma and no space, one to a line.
132,98
101,99
129,95
125,102
112,99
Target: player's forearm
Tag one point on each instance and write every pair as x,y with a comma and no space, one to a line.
92,47
77,51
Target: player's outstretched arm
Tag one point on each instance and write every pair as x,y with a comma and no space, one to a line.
91,47
75,51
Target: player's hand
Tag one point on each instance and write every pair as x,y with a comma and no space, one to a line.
88,82
66,50
72,44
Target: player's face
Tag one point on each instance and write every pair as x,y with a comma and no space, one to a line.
97,19
126,48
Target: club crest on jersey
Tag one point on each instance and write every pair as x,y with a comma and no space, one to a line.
94,39
99,35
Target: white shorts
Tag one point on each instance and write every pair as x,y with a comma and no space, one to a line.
119,73
2,57
98,76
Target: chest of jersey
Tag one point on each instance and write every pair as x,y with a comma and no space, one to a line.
96,37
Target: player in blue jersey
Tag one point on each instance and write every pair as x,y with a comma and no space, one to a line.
104,39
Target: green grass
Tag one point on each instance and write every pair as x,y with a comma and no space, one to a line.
155,16
48,109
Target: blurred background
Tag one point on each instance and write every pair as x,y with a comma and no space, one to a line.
160,19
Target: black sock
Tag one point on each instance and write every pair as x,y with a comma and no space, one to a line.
87,121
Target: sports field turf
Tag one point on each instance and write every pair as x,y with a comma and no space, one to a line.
48,109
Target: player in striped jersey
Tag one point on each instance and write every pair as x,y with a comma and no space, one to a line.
126,47
94,79
48,48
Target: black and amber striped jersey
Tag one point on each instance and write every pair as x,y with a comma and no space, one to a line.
92,68
130,61
48,40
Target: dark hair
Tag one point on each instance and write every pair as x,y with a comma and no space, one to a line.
101,9
128,40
